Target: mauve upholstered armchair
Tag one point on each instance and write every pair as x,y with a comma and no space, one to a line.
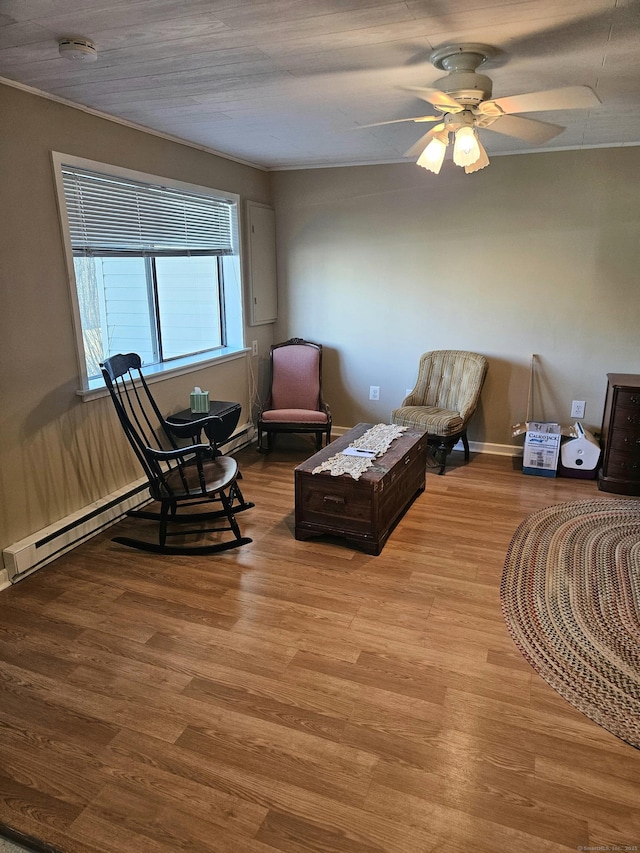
295,401
444,399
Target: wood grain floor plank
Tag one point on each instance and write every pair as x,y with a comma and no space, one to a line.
460,825
35,654
63,783
75,711
273,658
275,700
30,696
20,623
157,819
159,787
296,835
111,836
25,797
99,651
330,768
85,617
544,732
273,611
530,818
418,685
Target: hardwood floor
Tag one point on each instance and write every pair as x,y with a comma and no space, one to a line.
302,696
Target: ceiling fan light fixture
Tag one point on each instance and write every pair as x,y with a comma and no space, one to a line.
432,157
466,149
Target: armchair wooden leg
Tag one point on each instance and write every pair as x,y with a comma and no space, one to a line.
465,443
440,455
261,446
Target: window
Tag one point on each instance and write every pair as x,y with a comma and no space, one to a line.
155,267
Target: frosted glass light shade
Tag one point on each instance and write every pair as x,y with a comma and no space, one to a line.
480,163
465,150
432,157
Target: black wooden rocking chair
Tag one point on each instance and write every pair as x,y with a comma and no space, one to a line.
179,477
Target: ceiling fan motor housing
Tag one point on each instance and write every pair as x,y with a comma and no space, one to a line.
466,87
462,82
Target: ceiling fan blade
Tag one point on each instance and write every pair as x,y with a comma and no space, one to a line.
437,98
399,120
567,98
418,147
528,129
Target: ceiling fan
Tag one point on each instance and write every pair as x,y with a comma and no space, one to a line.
464,104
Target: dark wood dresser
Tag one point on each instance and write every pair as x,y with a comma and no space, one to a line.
620,471
362,511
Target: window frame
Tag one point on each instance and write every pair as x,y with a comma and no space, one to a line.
232,295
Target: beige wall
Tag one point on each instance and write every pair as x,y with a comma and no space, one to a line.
535,254
57,453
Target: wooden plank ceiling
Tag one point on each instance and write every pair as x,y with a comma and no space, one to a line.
288,83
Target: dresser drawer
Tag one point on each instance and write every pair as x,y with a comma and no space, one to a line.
628,399
623,466
626,417
625,441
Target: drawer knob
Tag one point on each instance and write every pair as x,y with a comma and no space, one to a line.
634,399
632,419
333,499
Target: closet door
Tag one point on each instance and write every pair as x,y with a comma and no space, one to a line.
261,231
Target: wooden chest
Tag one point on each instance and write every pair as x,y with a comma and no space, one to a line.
620,472
362,511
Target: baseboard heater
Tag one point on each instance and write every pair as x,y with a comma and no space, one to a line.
29,554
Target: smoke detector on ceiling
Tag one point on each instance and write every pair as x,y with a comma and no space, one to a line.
77,49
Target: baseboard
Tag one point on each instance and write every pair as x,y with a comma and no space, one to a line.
5,583
491,449
242,437
474,446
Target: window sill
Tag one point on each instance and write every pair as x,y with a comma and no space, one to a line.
157,372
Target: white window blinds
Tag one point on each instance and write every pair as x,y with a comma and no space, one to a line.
109,215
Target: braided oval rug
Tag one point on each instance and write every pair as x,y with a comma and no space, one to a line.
570,596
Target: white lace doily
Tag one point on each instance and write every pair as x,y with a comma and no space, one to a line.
376,440
355,466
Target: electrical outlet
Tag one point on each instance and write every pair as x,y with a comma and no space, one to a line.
577,409
374,392
254,347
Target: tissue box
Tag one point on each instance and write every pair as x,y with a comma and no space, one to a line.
541,449
199,402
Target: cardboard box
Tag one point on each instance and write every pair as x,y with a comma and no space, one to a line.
541,449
